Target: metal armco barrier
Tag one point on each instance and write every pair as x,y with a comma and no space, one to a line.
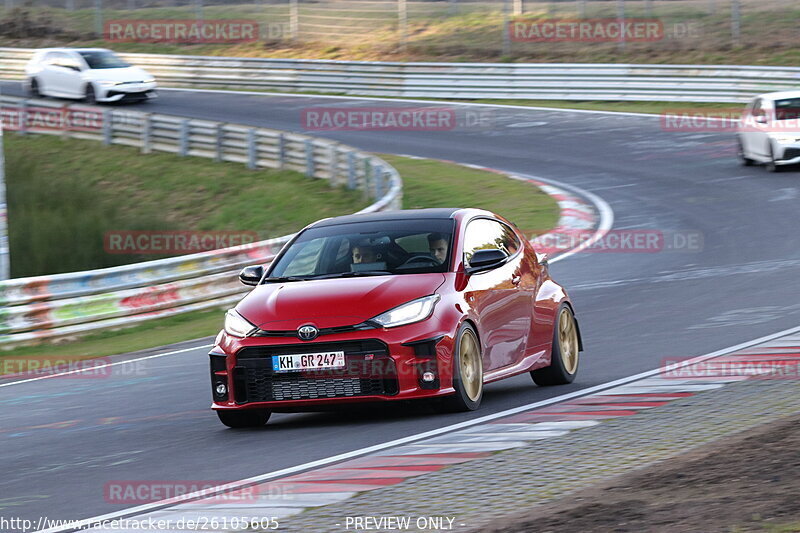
686,83
79,302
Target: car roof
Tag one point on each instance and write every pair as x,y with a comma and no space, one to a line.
780,95
68,49
403,214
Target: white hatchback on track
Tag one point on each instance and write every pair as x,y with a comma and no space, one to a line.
91,74
769,130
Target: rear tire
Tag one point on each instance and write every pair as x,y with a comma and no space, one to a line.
745,161
565,353
248,418
467,371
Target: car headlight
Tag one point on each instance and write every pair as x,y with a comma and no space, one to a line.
786,139
408,313
236,325
149,80
108,83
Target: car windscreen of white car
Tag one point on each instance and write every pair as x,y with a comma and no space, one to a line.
787,109
103,59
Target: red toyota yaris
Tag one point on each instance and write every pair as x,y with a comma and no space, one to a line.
392,306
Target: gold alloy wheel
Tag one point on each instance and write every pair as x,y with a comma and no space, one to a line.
568,341
471,368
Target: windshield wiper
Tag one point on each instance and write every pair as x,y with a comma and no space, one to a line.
353,274
281,279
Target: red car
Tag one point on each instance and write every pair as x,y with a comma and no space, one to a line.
392,306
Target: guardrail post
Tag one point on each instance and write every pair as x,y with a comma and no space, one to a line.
736,21
147,133
402,23
351,170
294,20
334,167
379,174
506,29
98,18
183,140
367,176
309,158
518,9
70,5
219,138
23,117
251,149
621,19
108,125
281,150
582,9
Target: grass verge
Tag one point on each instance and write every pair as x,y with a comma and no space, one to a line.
427,183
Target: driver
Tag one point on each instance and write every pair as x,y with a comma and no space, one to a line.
364,253
437,244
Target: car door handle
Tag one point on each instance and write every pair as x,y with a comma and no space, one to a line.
515,279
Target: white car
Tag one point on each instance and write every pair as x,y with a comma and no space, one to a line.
91,74
769,130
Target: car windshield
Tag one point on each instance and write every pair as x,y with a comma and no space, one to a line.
367,249
787,109
98,59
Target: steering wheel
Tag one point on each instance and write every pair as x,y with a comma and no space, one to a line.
419,258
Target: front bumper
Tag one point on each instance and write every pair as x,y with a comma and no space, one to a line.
126,92
381,365
787,154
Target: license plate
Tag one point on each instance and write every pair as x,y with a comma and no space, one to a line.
307,361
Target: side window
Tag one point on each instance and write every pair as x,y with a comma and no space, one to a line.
485,234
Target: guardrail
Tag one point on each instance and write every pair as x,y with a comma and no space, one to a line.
687,83
79,302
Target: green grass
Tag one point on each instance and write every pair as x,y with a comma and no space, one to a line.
427,183
64,194
471,32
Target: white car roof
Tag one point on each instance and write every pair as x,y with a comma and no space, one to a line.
781,95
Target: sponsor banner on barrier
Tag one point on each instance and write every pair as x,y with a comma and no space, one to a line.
173,242
43,119
216,31
617,241
396,118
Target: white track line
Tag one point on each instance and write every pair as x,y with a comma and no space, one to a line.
416,101
405,440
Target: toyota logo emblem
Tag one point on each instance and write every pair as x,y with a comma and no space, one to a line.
307,333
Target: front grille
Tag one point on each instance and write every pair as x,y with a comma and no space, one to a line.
368,371
791,153
322,331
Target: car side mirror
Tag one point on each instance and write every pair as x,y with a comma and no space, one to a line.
543,259
251,275
486,260
761,119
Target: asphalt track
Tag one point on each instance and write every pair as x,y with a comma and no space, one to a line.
63,439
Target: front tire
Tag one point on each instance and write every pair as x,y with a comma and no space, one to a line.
248,418
565,353
90,97
467,371
33,90
772,166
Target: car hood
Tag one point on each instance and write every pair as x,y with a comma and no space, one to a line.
332,302
117,74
